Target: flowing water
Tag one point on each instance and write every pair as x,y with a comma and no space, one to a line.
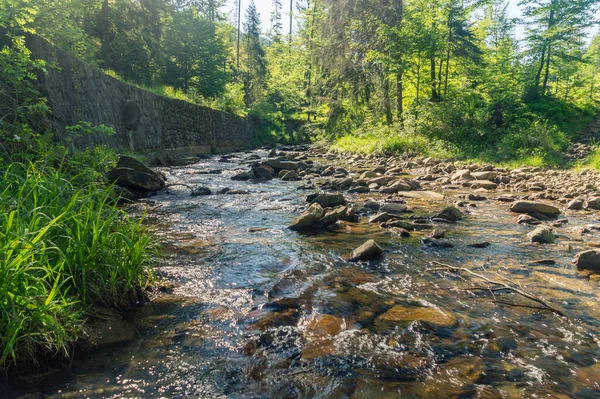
259,311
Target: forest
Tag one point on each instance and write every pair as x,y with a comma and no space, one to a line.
449,79
446,78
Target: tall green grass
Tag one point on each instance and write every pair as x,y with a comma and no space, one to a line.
64,247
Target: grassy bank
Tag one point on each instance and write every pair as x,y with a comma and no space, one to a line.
64,248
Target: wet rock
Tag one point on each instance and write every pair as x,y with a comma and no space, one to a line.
476,197
368,175
287,317
359,190
527,219
534,207
594,203
437,242
381,218
400,231
244,176
480,245
136,180
589,376
329,200
542,235
396,188
393,208
199,191
308,218
438,234
330,217
367,251
588,260
450,213
324,324
132,163
373,205
402,316
542,262
456,379
264,171
575,205
282,165
292,175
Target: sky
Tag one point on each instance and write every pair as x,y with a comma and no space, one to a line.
265,6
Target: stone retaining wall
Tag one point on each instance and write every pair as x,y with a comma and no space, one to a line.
77,92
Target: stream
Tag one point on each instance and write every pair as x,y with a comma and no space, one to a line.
260,311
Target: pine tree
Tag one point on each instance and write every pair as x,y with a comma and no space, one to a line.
256,65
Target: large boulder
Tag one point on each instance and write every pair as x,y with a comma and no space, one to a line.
534,207
308,218
594,203
588,260
138,181
368,251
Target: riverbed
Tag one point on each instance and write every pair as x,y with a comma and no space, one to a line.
260,311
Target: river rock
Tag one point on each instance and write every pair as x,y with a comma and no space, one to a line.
199,191
381,180
542,235
330,217
575,205
243,176
450,213
488,185
402,316
264,171
307,218
381,217
488,175
367,251
132,163
278,164
136,180
396,188
588,260
393,208
287,317
594,203
329,200
534,207
528,219
463,174
437,242
291,175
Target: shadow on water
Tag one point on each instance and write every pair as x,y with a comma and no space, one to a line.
260,311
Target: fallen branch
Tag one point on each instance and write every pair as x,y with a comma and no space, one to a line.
500,286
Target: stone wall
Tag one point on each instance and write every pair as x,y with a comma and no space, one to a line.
77,92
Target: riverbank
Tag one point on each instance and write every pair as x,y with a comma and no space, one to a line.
261,310
68,252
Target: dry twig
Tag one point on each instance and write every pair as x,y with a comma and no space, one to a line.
499,286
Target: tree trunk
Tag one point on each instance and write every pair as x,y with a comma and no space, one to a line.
105,34
547,73
386,100
291,22
538,75
434,93
239,32
399,97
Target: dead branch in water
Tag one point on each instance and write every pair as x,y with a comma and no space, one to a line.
498,286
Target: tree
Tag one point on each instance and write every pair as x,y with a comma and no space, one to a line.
256,65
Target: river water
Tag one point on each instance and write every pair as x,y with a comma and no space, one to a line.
259,311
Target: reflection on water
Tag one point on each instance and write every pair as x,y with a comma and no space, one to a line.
261,311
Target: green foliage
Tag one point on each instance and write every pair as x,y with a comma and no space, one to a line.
63,248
